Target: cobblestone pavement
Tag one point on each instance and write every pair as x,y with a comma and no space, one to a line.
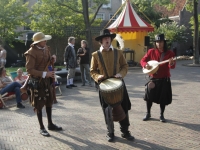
81,117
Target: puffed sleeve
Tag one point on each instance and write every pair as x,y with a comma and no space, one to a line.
30,63
94,67
145,59
122,64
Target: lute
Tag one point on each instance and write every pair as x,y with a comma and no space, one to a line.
154,65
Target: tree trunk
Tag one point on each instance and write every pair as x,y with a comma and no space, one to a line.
87,25
196,34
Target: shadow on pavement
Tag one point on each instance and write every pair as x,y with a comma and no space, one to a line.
195,127
88,144
91,145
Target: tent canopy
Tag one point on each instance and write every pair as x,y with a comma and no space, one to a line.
129,21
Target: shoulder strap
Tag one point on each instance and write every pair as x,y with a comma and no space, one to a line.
115,62
102,62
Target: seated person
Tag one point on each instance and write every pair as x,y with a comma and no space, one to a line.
6,85
20,78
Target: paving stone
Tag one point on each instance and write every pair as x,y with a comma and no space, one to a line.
79,113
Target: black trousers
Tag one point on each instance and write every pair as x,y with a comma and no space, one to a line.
124,124
149,105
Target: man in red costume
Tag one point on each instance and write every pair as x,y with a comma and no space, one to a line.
158,89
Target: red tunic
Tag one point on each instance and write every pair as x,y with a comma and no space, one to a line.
164,69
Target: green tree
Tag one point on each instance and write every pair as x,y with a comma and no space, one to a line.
62,18
173,32
50,18
88,10
13,14
144,4
149,14
192,6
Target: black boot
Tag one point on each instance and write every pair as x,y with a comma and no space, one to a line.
110,137
162,109
162,119
54,127
127,135
20,105
68,86
44,132
147,117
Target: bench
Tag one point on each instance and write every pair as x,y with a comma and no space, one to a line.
63,74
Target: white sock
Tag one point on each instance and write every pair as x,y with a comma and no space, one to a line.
68,81
71,81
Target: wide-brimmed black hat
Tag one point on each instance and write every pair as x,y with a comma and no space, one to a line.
160,37
105,33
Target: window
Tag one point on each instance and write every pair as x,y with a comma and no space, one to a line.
100,16
114,18
27,28
17,38
90,3
39,1
107,5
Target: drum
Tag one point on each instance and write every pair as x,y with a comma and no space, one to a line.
24,96
112,91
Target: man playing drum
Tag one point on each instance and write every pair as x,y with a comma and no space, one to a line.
112,59
158,89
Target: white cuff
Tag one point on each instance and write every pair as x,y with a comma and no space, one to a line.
44,74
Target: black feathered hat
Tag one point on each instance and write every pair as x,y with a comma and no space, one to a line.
105,33
160,37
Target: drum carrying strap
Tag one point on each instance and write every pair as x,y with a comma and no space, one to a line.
108,110
103,64
115,61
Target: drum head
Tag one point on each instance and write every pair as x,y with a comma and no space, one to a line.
110,84
24,96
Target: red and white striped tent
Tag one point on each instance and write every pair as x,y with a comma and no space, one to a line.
129,21
132,29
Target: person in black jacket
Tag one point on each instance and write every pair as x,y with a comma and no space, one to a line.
83,53
70,59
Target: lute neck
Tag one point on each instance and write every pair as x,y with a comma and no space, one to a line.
165,61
